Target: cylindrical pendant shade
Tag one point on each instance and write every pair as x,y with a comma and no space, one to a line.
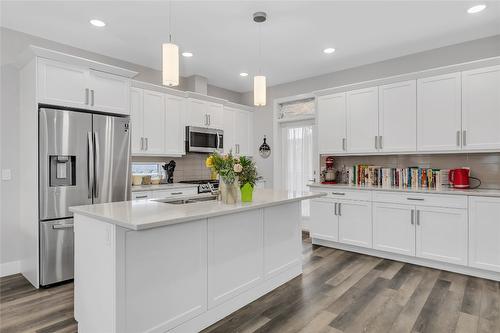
170,64
259,90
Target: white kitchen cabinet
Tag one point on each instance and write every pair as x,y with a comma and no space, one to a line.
484,233
229,130
62,84
397,117
234,236
238,127
362,120
136,121
355,223
153,123
442,234
331,120
204,114
323,221
481,109
109,93
174,125
181,192
439,113
394,228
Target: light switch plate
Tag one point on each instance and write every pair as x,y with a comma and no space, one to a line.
6,174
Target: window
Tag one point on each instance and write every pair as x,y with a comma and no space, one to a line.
151,169
297,109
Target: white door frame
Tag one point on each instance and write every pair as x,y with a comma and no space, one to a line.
277,162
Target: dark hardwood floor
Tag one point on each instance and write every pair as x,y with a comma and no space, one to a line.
339,292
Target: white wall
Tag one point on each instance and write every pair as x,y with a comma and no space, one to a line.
12,43
454,54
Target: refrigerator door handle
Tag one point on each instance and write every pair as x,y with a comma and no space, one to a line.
96,165
90,163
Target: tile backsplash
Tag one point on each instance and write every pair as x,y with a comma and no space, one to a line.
485,166
188,167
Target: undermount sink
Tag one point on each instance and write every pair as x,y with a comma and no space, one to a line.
187,200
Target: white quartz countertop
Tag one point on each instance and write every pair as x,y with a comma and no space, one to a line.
443,190
173,186
146,214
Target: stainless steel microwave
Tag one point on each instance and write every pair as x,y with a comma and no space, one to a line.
204,140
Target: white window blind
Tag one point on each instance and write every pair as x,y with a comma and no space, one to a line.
297,109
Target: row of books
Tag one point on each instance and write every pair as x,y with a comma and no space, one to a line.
368,175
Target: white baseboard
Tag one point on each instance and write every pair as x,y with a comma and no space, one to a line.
9,268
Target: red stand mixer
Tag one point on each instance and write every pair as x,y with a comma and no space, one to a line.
329,173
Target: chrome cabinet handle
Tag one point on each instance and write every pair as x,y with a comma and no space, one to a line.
147,143
209,120
415,199
412,217
142,143
344,144
141,196
87,96
458,138
380,146
376,141
92,97
62,226
90,162
340,209
338,193
418,217
176,193
206,119
464,138
96,165
335,209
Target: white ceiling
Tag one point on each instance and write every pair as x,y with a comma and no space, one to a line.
224,39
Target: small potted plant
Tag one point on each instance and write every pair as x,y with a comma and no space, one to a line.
226,167
247,177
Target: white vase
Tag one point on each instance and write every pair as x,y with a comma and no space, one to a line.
228,192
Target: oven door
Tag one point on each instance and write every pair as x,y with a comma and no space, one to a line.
204,140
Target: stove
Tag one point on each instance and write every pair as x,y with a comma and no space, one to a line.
203,186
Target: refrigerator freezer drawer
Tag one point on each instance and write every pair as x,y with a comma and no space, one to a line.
56,251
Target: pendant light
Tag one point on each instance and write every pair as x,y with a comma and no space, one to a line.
170,57
259,81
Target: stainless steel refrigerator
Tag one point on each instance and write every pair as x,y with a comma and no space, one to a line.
84,159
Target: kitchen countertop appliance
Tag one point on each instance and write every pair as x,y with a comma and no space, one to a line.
329,173
460,178
203,186
84,159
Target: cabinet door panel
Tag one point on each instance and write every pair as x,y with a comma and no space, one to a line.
362,120
235,254
442,234
215,113
484,233
154,122
398,117
242,128
481,108
62,84
394,228
323,223
111,92
136,120
174,128
197,113
438,113
332,124
355,223
229,130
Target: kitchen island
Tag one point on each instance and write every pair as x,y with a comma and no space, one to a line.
151,266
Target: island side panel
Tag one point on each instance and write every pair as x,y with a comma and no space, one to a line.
95,274
166,276
282,238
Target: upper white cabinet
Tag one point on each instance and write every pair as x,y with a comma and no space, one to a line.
157,124
331,120
481,109
362,120
79,87
238,128
397,117
109,92
63,84
204,114
484,233
438,113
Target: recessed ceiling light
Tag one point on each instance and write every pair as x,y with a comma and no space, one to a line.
476,9
97,23
187,54
329,50
243,74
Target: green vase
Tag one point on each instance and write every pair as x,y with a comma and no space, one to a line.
246,192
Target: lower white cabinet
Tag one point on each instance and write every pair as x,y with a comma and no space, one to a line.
324,222
484,233
394,228
442,234
355,222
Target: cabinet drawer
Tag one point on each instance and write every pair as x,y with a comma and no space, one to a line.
175,192
344,194
422,199
141,195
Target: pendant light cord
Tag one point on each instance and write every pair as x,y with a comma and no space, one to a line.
170,21
260,48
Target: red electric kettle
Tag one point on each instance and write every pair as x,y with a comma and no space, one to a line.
459,178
